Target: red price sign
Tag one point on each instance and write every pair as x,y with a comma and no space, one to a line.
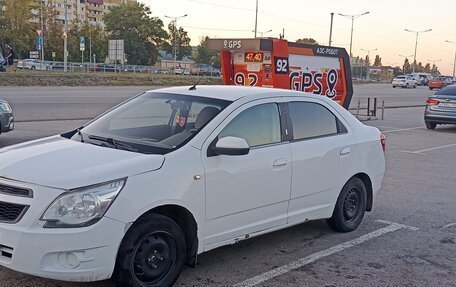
256,57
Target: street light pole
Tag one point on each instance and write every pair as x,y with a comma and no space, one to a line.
454,62
256,18
42,34
65,40
353,17
416,44
331,29
368,57
176,45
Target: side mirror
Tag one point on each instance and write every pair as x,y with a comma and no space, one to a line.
231,146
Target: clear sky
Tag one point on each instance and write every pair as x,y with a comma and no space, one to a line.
382,29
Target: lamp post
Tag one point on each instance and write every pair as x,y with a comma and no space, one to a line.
368,52
176,44
261,33
256,19
331,29
454,61
403,65
416,44
352,17
65,40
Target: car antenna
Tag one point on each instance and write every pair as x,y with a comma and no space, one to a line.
194,86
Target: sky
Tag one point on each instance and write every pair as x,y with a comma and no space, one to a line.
382,29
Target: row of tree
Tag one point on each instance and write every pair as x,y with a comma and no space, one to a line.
143,34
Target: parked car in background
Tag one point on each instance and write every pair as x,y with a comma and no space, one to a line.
204,70
404,81
2,63
6,118
162,71
441,108
424,78
417,79
146,187
33,64
440,82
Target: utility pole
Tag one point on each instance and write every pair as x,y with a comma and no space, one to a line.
416,44
65,40
42,33
176,44
256,18
454,62
353,17
331,29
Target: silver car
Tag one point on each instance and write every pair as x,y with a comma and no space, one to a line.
6,117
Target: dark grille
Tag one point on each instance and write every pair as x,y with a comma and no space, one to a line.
11,212
16,191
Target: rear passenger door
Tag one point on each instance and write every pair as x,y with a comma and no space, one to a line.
320,148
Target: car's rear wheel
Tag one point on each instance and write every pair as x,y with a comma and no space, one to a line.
431,125
33,68
152,253
394,87
431,88
406,86
350,206
414,86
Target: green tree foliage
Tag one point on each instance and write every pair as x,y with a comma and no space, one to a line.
141,32
307,41
367,60
206,56
427,68
15,26
406,67
435,71
377,61
179,38
91,33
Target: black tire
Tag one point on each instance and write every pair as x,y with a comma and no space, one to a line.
350,206
431,88
152,253
33,68
414,86
430,125
406,86
394,87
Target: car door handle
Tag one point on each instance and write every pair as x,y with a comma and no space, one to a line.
280,162
345,151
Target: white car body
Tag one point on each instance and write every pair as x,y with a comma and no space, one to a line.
32,64
230,198
404,82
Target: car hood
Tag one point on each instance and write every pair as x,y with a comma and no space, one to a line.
67,164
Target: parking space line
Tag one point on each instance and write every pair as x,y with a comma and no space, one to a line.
429,149
400,130
392,226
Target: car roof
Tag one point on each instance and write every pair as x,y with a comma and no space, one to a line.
229,93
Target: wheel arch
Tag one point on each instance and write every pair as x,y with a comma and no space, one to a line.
368,183
186,221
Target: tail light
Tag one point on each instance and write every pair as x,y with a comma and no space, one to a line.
383,141
432,102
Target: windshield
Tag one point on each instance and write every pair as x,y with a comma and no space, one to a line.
400,77
152,123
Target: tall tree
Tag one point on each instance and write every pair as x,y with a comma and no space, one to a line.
91,33
178,38
427,68
141,32
406,67
377,61
15,26
307,41
206,56
435,71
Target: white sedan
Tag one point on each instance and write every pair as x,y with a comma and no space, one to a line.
33,64
176,172
404,82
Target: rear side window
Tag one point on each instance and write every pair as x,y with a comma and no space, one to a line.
310,120
447,91
258,125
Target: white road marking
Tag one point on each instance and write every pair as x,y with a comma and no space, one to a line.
448,225
392,226
400,130
429,149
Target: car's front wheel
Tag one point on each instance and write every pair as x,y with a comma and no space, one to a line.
350,206
431,125
152,253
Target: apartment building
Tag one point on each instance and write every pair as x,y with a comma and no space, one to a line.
83,10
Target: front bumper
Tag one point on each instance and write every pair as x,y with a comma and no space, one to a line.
7,122
68,254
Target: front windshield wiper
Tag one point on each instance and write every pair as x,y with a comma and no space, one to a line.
115,143
80,134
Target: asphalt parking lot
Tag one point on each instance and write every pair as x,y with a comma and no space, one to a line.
409,239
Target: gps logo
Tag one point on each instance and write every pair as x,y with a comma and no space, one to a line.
232,44
315,82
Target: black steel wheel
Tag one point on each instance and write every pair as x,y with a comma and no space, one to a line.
350,206
151,254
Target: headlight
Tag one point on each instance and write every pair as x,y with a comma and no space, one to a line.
82,207
5,107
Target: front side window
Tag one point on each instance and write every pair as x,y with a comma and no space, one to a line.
258,125
152,123
312,120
